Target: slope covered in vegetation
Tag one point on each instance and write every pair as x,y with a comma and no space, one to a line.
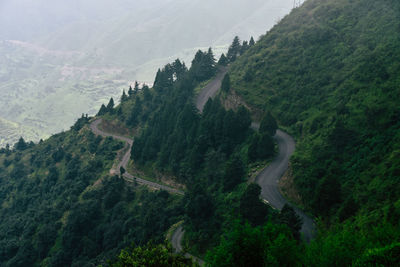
210,152
60,207
329,72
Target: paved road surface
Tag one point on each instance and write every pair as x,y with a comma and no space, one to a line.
211,89
94,126
269,177
176,241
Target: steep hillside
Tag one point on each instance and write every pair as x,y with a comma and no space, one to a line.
330,73
59,206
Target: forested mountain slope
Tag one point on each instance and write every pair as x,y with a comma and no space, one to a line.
59,206
330,73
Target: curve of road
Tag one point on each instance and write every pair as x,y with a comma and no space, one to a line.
211,89
176,241
269,177
94,126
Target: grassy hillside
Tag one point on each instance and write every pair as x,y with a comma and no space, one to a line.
330,73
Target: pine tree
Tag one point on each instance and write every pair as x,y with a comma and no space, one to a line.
124,97
223,61
244,47
289,217
234,173
136,88
110,105
210,63
159,80
252,152
147,96
251,207
203,65
133,118
265,146
102,111
234,49
226,83
179,68
268,124
130,91
251,42
21,144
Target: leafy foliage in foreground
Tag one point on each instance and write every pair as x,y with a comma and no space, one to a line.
152,256
269,245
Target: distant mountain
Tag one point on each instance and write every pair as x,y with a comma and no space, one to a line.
65,56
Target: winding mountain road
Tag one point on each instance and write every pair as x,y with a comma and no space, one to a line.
269,177
211,89
94,126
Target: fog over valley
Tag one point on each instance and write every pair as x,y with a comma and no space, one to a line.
59,59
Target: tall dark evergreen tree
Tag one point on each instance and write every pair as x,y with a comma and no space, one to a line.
21,144
234,49
223,60
179,69
102,111
130,91
268,124
133,118
110,105
251,42
136,88
211,63
147,96
226,83
289,217
234,173
244,47
124,97
203,65
265,146
251,207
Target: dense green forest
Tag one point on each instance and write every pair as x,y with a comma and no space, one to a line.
63,208
210,153
60,207
328,73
